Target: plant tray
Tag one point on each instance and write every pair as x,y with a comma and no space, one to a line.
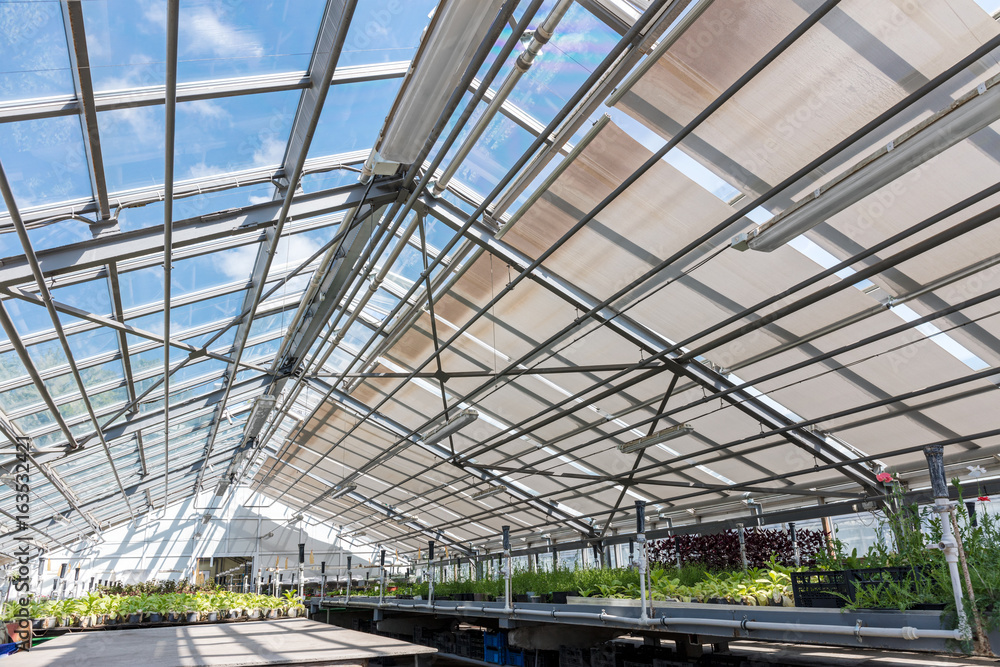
822,588
836,587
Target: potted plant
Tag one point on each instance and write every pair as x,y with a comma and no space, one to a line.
191,608
254,607
131,609
175,607
157,607
42,614
272,607
291,604
87,607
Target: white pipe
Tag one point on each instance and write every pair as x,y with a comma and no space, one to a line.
640,539
907,633
523,63
943,507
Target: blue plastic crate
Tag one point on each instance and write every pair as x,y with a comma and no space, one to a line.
494,656
495,640
515,657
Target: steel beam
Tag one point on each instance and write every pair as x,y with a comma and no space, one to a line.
68,105
118,312
76,36
333,30
652,342
253,219
400,431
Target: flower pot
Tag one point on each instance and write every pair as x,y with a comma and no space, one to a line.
273,613
479,597
174,617
155,617
212,616
135,619
100,619
522,598
86,621
233,614
191,616
559,597
253,614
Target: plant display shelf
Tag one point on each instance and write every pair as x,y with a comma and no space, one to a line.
690,619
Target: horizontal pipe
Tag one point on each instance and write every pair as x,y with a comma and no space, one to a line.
907,633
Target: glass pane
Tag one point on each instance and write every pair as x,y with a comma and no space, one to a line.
141,287
45,161
352,116
219,136
222,38
385,31
126,41
132,144
34,58
207,271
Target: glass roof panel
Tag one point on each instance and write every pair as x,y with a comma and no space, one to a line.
385,31
34,58
47,355
207,271
126,41
141,287
352,116
219,136
132,144
92,343
45,161
221,38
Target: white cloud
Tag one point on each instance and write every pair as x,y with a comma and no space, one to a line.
271,152
201,170
204,31
291,251
236,264
204,109
259,199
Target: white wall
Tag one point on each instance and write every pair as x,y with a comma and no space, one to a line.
167,545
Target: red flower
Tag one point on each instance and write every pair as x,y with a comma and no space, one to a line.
884,477
984,498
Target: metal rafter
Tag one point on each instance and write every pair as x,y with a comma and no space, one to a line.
76,37
68,105
646,339
118,312
39,278
240,223
329,41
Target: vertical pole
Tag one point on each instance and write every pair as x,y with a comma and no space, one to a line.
430,572
743,545
640,538
795,544
322,574
943,507
828,536
381,586
302,565
508,599
631,552
349,578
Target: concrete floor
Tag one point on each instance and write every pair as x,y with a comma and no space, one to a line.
290,641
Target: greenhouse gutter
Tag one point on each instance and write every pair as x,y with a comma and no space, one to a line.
883,629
